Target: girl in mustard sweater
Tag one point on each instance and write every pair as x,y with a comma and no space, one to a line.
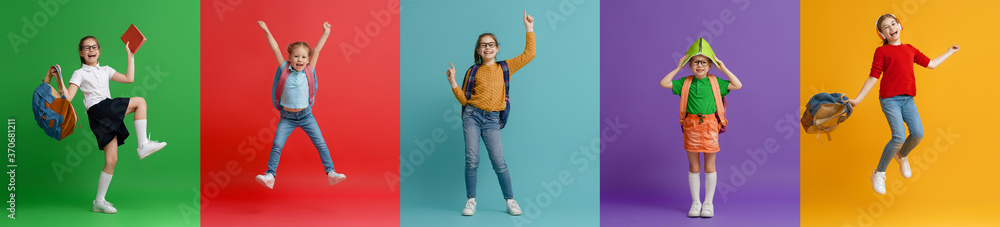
481,108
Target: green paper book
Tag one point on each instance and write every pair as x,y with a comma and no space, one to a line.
700,47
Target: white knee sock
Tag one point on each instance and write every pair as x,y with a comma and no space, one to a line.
694,181
710,180
140,129
102,185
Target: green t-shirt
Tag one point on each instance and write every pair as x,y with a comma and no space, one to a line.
700,97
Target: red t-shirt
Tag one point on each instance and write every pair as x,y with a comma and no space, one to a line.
895,64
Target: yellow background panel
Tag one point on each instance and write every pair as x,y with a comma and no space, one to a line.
955,167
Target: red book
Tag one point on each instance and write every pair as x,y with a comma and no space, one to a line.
134,38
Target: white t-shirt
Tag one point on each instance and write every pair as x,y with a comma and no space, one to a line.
93,82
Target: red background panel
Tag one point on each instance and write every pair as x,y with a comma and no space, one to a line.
357,107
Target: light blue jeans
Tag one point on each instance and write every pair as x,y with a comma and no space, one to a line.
486,124
900,111
289,121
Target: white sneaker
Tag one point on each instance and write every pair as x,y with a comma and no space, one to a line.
513,208
267,180
904,166
878,182
104,207
470,207
149,147
695,210
333,178
707,210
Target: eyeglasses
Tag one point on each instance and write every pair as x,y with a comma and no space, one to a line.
699,62
92,47
488,45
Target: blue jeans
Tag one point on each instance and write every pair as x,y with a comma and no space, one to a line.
486,124
899,111
289,121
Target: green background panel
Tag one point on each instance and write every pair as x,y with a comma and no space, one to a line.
57,180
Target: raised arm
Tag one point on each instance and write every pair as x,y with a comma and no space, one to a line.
667,81
274,44
940,59
319,45
70,92
129,75
525,57
734,83
458,92
867,87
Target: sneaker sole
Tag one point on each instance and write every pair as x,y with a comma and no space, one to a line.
464,214
517,214
153,151
102,211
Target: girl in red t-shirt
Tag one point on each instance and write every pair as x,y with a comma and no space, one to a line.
893,61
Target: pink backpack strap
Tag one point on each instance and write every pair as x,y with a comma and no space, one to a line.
313,86
719,108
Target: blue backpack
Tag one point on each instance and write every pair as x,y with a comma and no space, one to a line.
824,112
53,112
278,86
469,83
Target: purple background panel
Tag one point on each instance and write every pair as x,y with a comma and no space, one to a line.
643,164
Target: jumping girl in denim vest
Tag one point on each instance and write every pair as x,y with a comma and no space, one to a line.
894,61
481,112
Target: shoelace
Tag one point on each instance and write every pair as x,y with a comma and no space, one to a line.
470,205
105,202
513,204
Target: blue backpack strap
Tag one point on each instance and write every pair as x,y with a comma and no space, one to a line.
470,79
506,78
275,89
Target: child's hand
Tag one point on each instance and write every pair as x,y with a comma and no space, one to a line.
326,27
719,63
953,48
853,102
128,52
450,72
53,71
262,25
680,64
529,21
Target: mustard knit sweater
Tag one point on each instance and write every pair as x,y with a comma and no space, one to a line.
489,93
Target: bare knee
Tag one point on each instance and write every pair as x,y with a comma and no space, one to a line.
139,101
694,168
709,168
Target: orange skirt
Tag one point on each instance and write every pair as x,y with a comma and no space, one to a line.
701,133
